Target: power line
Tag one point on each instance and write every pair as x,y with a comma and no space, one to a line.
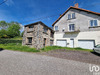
41,18
3,2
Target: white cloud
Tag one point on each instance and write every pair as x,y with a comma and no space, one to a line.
22,28
9,2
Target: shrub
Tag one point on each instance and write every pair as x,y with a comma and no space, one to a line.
6,41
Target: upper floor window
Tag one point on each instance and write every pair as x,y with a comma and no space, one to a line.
73,15
45,29
71,27
56,28
31,26
93,23
69,16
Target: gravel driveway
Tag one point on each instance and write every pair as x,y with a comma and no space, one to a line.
82,56
22,63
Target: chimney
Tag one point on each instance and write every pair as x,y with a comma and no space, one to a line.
76,5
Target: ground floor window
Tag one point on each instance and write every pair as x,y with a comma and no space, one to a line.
29,39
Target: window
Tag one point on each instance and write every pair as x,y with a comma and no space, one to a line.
56,28
71,27
45,29
69,16
93,23
73,15
31,26
97,46
29,39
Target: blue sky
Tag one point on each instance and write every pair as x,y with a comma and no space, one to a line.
30,11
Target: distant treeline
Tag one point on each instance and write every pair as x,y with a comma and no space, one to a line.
9,30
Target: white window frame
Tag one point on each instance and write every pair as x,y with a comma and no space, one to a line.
74,15
57,28
70,16
71,28
93,23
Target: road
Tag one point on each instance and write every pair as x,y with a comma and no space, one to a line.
23,63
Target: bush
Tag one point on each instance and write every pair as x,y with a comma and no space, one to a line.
6,41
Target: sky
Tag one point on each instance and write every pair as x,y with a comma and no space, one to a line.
47,11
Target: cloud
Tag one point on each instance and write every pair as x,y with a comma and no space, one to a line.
22,28
9,2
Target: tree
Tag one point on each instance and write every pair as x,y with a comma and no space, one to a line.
3,33
14,30
3,25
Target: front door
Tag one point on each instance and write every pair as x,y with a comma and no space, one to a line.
72,43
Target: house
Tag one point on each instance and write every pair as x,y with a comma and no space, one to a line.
77,27
38,35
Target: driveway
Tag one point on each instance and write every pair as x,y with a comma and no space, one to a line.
22,63
82,56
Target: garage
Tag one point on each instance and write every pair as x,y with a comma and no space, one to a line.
86,44
62,43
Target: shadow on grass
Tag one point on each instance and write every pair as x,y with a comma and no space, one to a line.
97,54
1,49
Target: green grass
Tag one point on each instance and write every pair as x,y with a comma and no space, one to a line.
18,47
49,48
16,38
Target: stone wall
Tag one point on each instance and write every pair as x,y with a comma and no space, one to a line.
37,35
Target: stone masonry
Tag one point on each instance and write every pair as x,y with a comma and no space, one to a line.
38,34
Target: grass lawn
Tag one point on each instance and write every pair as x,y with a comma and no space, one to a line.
49,48
16,38
18,47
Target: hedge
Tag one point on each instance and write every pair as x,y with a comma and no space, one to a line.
6,41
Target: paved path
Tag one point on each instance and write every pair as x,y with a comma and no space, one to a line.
22,63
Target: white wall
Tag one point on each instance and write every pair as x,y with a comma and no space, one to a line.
89,35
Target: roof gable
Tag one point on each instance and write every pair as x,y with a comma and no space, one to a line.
76,9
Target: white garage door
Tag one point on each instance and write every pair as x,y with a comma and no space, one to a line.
62,43
86,44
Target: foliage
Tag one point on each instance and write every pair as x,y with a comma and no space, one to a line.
3,25
9,30
13,30
18,47
49,48
3,33
6,41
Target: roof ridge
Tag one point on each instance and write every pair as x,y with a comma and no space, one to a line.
77,9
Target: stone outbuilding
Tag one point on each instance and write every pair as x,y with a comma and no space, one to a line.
38,35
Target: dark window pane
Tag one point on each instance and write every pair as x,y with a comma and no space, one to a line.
91,23
31,26
30,40
95,22
69,16
73,27
73,15
56,28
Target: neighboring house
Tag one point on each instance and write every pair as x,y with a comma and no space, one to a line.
77,27
38,35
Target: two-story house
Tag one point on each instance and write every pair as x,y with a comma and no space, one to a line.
77,27
37,35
